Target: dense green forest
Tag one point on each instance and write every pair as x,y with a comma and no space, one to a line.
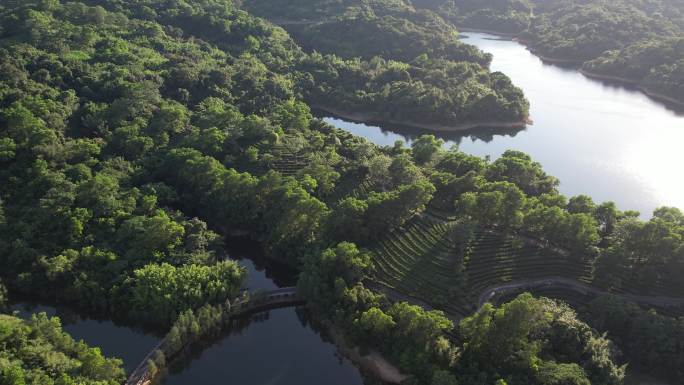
503,16
133,132
656,65
651,342
392,30
530,341
630,40
37,351
428,63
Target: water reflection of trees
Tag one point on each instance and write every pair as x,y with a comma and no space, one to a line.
483,133
319,329
236,327
243,248
408,133
74,317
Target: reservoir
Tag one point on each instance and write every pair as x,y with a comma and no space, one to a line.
607,141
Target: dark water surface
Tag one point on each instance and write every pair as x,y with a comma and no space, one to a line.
129,344
607,141
280,347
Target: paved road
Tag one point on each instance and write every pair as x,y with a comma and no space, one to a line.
576,286
530,284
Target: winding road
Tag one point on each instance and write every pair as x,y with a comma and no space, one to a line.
552,282
573,285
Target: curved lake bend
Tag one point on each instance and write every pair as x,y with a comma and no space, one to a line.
129,344
277,348
607,141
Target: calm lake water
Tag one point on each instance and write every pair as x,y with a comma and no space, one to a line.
280,347
607,141
129,344
277,348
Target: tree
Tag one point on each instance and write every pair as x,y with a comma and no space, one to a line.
418,338
374,326
581,204
325,276
403,171
607,214
551,373
149,237
379,171
24,128
160,292
388,210
38,351
518,168
497,204
3,296
649,341
525,339
12,375
425,147
499,337
443,377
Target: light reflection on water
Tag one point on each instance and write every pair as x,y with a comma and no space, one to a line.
607,141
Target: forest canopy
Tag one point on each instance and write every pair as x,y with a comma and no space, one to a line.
626,40
133,134
37,351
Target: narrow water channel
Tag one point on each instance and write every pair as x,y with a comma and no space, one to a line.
608,141
280,347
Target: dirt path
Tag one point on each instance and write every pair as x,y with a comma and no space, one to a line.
372,362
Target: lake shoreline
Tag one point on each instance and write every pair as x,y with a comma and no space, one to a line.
368,119
373,362
635,83
526,43
573,62
487,31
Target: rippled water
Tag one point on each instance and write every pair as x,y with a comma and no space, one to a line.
610,142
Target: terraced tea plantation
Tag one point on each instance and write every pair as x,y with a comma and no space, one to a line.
492,259
286,162
424,262
440,263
